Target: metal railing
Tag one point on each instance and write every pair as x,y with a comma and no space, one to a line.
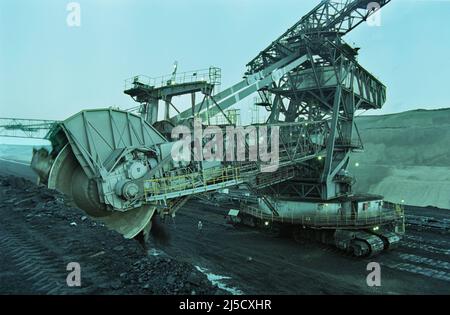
330,220
211,75
170,184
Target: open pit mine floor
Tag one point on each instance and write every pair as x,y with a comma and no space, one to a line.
40,235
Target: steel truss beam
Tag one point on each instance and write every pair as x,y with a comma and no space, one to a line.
329,87
329,18
25,128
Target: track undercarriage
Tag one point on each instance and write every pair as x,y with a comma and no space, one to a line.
359,242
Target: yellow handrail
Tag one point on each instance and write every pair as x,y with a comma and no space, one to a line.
167,184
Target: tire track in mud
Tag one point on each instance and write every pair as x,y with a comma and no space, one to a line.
39,236
41,260
37,272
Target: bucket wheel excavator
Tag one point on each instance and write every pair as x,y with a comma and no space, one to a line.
119,167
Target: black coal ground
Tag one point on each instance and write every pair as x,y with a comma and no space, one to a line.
40,235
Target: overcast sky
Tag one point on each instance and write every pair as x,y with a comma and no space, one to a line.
49,70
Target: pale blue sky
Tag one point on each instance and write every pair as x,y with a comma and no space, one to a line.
49,70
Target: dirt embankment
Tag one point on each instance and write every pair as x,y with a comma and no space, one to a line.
40,235
406,157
